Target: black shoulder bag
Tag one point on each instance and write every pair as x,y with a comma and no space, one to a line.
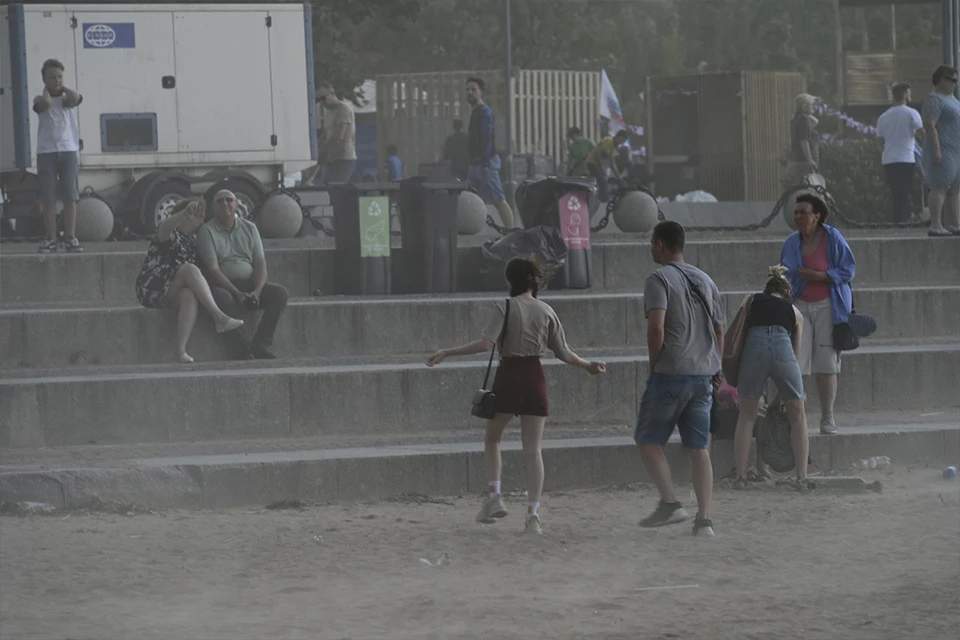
484,400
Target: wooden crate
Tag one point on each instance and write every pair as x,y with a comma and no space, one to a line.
867,77
731,128
416,111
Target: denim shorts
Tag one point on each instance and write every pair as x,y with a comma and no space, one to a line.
486,180
670,400
58,171
768,353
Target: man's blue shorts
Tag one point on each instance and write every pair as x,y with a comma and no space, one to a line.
485,179
670,400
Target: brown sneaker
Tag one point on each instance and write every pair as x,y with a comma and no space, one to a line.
493,508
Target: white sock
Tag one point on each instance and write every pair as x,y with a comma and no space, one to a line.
494,487
533,508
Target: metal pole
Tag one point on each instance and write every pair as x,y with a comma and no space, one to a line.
508,76
947,34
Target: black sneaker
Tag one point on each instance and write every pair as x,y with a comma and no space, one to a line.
47,246
666,513
703,527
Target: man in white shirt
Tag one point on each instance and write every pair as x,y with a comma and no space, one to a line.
898,126
58,151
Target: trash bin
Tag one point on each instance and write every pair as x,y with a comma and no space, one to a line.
564,202
428,236
361,220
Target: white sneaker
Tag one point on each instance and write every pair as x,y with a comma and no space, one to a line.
703,528
828,426
229,325
533,525
185,358
493,508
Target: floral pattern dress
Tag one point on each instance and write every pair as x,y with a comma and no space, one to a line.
161,264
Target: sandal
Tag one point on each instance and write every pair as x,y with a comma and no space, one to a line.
740,484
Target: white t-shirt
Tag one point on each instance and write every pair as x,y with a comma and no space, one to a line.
58,130
897,127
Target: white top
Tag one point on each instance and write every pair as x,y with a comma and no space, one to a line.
897,127
58,130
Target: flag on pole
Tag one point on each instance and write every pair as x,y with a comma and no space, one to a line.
610,105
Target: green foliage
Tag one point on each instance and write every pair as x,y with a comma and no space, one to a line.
856,181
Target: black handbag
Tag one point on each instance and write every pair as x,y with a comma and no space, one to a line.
485,400
846,335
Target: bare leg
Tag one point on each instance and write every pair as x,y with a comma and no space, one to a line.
827,390
506,214
70,219
186,319
936,202
491,445
659,469
531,433
188,276
702,481
951,209
744,434
797,416
50,220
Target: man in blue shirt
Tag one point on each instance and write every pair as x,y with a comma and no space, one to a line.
392,166
484,172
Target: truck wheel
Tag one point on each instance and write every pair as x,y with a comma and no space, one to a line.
249,196
159,201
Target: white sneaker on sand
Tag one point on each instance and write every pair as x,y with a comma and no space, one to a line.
533,525
493,508
229,325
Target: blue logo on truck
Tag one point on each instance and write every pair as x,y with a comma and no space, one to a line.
108,35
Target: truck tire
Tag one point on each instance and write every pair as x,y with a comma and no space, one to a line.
160,199
249,196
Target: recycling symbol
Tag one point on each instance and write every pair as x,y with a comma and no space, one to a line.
374,209
573,203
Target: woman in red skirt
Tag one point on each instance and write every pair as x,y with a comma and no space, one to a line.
520,388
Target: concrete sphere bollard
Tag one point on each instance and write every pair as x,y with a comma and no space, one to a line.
636,212
280,217
94,220
471,213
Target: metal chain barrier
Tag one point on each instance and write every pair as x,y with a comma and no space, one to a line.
620,192
316,222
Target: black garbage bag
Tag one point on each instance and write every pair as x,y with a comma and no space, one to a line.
543,243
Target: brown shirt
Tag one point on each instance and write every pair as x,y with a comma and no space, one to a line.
533,328
340,113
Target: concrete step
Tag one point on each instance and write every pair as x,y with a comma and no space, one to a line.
396,325
109,276
141,404
201,477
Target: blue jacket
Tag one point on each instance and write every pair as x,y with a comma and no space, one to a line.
841,267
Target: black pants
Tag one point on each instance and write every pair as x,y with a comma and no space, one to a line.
273,300
900,180
603,189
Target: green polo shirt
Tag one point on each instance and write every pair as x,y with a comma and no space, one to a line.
232,249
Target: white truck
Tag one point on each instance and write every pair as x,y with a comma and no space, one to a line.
178,99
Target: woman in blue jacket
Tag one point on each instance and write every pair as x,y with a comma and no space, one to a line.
820,266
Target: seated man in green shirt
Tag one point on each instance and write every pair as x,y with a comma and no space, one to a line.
578,148
232,255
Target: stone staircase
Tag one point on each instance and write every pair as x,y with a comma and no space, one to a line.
93,404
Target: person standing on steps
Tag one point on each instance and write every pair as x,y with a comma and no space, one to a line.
685,324
898,126
821,266
58,156
484,171
524,328
456,151
231,251
339,148
941,153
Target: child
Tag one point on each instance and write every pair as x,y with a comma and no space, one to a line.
393,166
58,150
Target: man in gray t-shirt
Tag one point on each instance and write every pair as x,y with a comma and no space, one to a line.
685,320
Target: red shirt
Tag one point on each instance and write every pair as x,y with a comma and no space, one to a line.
817,291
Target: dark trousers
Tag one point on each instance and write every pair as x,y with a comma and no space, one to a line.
273,300
598,174
900,180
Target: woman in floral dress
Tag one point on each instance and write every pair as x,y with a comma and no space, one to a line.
170,276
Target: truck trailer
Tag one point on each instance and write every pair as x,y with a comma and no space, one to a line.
178,100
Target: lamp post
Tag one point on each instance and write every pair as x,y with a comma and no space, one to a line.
508,77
